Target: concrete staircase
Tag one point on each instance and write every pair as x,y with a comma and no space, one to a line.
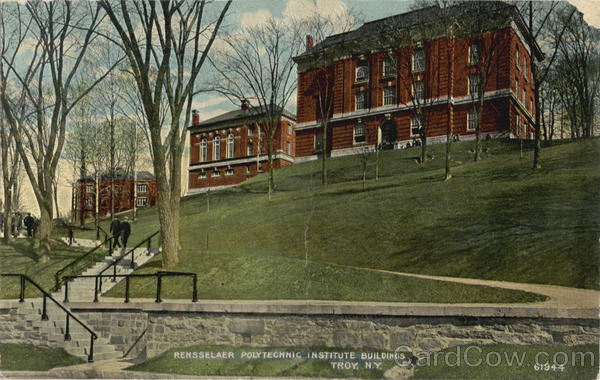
53,331
82,289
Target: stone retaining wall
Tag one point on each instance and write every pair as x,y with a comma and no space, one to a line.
163,331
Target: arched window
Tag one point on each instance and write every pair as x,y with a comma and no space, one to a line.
518,57
230,146
217,148
204,150
419,60
389,66
250,148
360,133
474,54
362,71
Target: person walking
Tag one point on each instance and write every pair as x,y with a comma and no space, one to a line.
125,231
70,235
29,224
115,229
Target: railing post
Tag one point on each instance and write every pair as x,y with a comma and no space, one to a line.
149,246
22,293
66,292
44,314
67,335
56,282
100,284
114,279
133,258
127,289
96,290
110,247
91,354
195,291
158,286
98,233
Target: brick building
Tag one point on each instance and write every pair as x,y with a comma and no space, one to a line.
374,92
230,148
142,192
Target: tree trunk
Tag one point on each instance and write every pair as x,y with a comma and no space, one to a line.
323,162
423,142
7,212
45,229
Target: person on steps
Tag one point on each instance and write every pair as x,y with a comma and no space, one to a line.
125,231
115,229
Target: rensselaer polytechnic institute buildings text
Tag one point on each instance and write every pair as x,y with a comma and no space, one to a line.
386,73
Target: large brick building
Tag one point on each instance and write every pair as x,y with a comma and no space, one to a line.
140,192
374,93
232,147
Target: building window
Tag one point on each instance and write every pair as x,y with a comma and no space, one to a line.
142,188
517,88
518,57
472,119
141,201
361,100
247,170
260,168
216,173
418,60
419,90
217,148
262,147
229,172
230,146
415,126
289,148
362,71
389,95
531,104
518,126
89,202
318,141
389,66
204,150
525,68
289,129
524,96
251,130
473,84
202,175
89,189
474,54
250,148
360,133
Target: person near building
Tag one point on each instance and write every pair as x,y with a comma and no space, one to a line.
125,231
29,224
115,229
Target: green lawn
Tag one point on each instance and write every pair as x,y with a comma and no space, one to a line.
580,362
22,256
496,219
20,357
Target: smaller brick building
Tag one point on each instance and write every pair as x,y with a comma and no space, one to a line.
142,192
232,147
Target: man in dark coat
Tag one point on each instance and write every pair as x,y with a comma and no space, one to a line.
115,229
125,231
29,224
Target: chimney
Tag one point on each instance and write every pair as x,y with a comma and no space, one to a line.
245,105
195,117
309,44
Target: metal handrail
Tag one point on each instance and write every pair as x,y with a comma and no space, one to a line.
132,252
158,275
57,280
67,336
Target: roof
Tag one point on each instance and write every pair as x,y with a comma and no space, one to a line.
236,118
417,17
142,175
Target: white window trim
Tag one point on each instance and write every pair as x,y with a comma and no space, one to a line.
469,119
216,143
216,173
471,62
229,172
366,68
393,89
140,203
364,101
230,146
413,89
142,185
354,134
469,79
414,68
384,67
203,150
414,117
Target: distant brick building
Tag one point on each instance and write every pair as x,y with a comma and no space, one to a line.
373,104
142,192
230,148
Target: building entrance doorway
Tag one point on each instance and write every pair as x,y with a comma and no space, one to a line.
388,135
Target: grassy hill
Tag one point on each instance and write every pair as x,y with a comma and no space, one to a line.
495,219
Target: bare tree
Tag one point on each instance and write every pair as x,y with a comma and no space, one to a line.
63,32
257,63
167,36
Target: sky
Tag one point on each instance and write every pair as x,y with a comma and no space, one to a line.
248,12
